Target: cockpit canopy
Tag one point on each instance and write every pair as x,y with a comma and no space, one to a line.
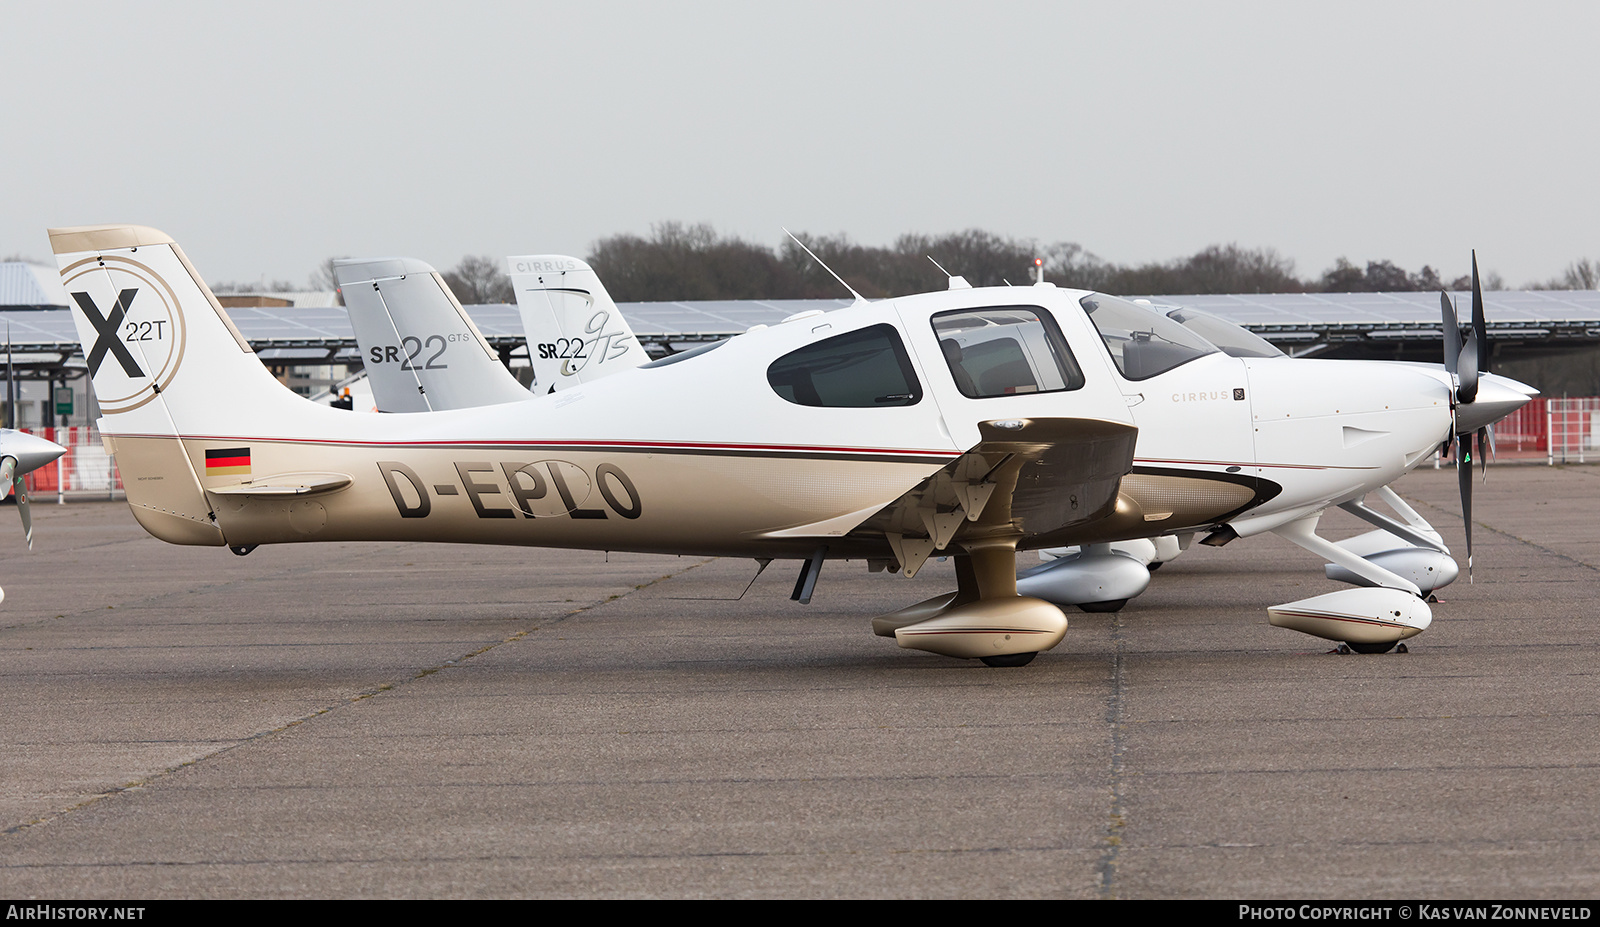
1142,341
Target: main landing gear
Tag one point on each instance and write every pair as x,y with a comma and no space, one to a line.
984,618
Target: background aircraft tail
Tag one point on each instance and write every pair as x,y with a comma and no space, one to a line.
421,351
575,333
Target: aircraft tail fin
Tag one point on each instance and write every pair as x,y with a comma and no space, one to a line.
167,364
421,351
575,333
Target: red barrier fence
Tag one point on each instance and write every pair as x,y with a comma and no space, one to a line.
84,468
1571,426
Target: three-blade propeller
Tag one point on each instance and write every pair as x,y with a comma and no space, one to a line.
10,479
1465,361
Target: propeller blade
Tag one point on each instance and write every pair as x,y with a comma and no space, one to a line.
1464,481
8,469
1452,332
1480,325
1483,452
27,518
11,383
1467,368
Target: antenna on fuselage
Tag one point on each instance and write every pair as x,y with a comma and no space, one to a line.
824,266
957,282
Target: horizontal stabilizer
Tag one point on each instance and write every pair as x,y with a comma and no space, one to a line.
292,484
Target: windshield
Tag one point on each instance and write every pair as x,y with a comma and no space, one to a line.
1142,341
1234,340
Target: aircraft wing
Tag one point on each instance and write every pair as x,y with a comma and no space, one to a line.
1026,478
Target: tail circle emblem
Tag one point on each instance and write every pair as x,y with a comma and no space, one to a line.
129,316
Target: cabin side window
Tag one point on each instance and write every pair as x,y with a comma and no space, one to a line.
862,369
1006,350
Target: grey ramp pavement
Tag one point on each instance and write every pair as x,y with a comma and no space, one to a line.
434,721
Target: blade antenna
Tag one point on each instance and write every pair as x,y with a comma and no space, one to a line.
824,266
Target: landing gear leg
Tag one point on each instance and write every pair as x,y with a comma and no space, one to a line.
984,618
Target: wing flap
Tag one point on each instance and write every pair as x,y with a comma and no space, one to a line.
1025,478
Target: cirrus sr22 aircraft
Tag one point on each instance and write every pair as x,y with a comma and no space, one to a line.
973,422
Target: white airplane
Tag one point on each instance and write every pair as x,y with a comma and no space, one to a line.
586,337
974,422
21,454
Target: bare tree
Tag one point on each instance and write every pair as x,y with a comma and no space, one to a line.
1385,277
1579,275
682,261
478,280
1583,275
324,278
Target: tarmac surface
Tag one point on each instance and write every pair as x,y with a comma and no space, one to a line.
411,720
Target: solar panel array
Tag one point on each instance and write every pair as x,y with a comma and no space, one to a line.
1278,311
319,334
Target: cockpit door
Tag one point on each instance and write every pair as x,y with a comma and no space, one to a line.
1014,361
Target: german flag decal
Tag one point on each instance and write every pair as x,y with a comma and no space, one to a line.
227,460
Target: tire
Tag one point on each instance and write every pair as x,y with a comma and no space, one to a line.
1371,648
1113,605
1010,659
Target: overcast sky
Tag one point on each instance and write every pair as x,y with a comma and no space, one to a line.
265,138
